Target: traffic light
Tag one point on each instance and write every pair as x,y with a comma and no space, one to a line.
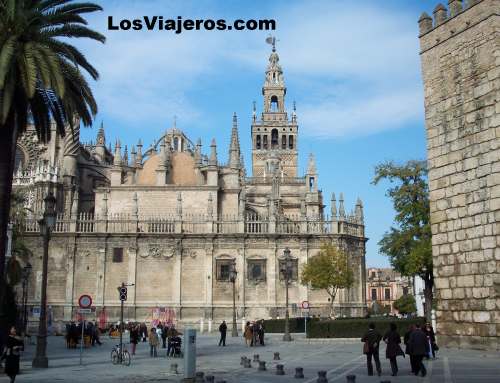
123,293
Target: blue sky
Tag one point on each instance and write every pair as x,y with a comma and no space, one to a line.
351,66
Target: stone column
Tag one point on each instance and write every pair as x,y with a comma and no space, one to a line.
209,279
240,281
70,280
303,258
132,273
177,277
273,278
100,276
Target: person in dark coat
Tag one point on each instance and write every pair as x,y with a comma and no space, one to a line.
134,337
11,354
419,348
223,331
431,337
371,339
164,336
393,350
261,330
407,344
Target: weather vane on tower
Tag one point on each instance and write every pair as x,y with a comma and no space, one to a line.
272,40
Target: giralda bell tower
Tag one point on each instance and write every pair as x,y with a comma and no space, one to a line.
274,135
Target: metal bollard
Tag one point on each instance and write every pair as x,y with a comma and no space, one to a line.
173,368
279,369
210,378
189,353
299,373
351,378
322,377
248,363
276,356
242,361
262,365
199,377
256,357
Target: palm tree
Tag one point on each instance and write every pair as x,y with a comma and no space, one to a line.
40,80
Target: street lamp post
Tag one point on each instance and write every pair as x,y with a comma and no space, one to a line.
26,275
47,223
232,277
286,273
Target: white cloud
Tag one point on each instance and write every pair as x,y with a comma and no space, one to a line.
354,65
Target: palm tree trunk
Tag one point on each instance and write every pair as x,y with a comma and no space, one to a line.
8,139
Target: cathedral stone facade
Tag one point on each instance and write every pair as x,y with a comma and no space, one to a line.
170,220
460,52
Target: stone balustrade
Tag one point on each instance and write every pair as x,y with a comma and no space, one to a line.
200,224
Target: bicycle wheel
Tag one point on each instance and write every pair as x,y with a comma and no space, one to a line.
126,358
114,356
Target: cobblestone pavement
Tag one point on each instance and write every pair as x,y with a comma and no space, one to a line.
338,357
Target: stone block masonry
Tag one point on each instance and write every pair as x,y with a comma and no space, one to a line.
460,55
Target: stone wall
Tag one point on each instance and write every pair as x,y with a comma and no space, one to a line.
460,54
178,272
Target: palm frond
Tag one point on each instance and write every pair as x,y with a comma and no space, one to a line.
6,55
75,31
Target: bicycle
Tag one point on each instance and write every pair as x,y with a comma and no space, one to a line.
120,356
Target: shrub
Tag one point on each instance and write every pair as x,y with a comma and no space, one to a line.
356,328
278,325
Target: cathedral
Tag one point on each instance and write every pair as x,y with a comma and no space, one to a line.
170,220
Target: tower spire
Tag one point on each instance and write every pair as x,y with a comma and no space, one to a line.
101,138
234,148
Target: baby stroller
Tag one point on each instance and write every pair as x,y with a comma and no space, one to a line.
176,347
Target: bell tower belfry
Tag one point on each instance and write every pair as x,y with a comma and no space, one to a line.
274,135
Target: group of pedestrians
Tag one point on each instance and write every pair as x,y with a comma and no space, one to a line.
162,334
254,333
74,333
420,343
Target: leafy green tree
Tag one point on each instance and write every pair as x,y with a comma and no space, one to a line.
405,304
328,270
40,80
408,244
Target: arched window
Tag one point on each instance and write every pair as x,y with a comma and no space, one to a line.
290,142
283,141
257,142
20,159
274,138
264,144
176,144
273,107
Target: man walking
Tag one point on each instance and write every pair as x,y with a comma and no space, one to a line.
371,342
419,348
223,331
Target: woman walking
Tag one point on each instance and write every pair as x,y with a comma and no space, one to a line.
393,349
248,334
153,343
11,354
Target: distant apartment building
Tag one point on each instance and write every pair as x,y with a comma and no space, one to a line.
384,286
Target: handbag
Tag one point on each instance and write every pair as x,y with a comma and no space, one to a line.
366,347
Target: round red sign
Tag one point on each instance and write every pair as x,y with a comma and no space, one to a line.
85,301
305,305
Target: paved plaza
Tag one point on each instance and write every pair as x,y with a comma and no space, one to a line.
339,357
